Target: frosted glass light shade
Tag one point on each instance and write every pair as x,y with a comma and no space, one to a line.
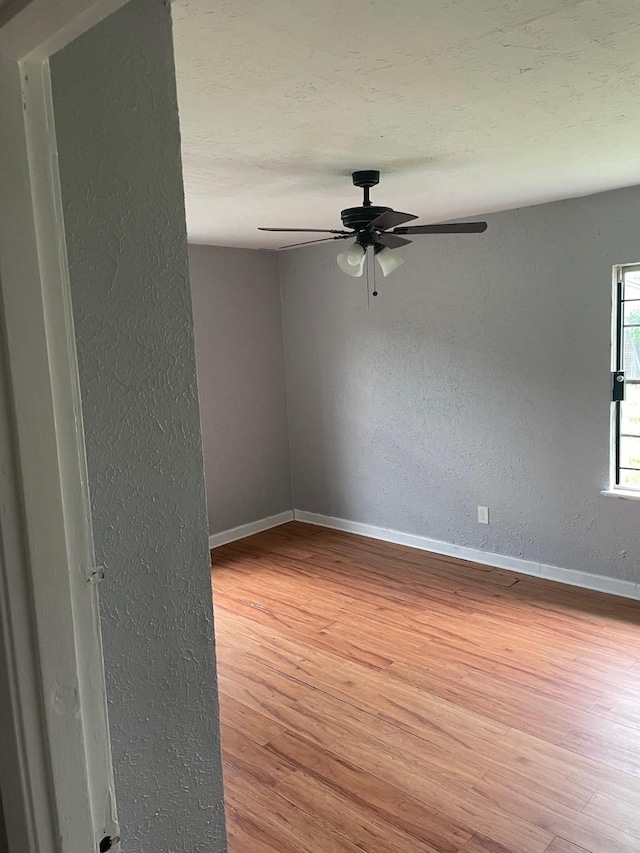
388,260
351,262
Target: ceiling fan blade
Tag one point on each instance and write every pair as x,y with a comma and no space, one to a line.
308,230
321,240
390,219
392,241
450,228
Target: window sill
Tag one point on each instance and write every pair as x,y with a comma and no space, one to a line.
621,493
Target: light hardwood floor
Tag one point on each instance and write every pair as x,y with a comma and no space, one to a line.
378,698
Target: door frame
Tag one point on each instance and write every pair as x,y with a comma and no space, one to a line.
56,776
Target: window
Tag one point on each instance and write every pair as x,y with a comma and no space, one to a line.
626,379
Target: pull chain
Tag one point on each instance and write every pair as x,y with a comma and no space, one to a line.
375,289
368,297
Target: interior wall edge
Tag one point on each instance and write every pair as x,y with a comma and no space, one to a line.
286,377
118,146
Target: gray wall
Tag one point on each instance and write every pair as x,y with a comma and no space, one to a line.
119,145
480,375
240,358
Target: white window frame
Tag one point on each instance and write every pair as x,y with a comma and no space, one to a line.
56,775
617,367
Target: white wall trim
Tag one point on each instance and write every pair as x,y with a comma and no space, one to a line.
572,577
249,529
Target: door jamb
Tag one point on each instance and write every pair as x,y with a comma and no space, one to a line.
55,760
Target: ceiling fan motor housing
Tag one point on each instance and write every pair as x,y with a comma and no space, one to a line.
358,218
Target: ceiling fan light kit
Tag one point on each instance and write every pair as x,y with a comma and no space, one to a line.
352,261
380,227
388,261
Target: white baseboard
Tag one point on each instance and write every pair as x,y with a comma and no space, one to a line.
249,529
586,580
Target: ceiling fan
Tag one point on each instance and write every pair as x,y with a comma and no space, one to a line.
380,227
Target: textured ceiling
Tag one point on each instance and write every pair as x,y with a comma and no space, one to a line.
466,106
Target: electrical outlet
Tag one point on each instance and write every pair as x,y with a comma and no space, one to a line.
483,515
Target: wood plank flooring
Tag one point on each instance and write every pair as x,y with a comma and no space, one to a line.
377,698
